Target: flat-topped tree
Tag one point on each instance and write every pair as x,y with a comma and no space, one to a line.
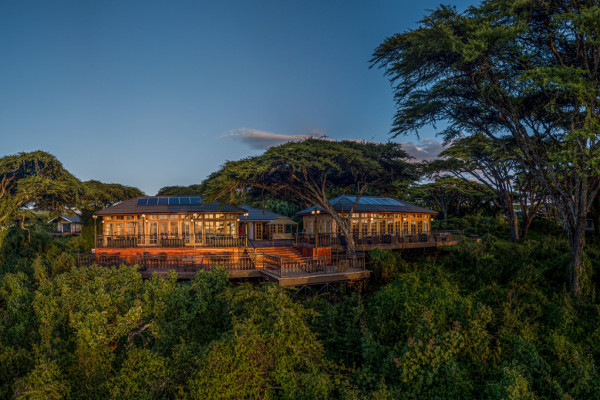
311,170
479,159
528,69
99,195
35,181
191,190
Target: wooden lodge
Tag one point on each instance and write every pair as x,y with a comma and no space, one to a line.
375,222
184,234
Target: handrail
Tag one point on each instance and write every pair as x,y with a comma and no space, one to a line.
180,263
170,240
325,264
281,266
251,250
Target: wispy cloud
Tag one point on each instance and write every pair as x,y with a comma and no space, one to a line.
426,150
262,140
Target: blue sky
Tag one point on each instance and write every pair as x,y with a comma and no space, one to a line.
156,93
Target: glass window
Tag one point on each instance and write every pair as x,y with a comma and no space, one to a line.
209,227
163,217
108,229
174,228
119,217
108,218
164,228
130,228
174,216
120,229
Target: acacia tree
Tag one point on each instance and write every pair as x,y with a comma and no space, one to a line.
310,170
528,69
99,195
35,181
447,192
493,164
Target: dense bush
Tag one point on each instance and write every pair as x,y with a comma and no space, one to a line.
489,320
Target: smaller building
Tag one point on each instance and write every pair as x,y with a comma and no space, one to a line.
67,225
261,224
372,216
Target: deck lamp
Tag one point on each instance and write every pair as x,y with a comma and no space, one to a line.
95,217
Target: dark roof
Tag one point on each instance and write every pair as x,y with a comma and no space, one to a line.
258,214
74,219
166,205
371,204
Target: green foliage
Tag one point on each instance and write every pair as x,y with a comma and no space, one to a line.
271,352
511,69
310,171
34,180
483,320
143,375
191,190
45,382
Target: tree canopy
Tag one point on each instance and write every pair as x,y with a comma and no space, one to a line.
99,195
527,69
35,181
311,170
191,190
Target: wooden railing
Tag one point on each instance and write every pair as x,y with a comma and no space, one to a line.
400,240
326,264
169,240
179,263
395,240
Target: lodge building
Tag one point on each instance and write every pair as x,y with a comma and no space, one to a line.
371,216
185,234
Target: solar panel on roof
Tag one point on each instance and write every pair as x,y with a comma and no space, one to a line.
174,201
184,200
142,202
153,201
163,201
195,200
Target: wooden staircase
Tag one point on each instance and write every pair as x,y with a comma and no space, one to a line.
284,251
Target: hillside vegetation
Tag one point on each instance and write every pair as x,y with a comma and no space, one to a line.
489,320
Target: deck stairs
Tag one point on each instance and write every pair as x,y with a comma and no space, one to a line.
251,251
284,251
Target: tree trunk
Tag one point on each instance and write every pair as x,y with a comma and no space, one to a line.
526,224
514,225
344,225
576,235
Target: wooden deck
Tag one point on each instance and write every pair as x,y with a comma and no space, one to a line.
189,275
308,279
286,271
406,246
316,278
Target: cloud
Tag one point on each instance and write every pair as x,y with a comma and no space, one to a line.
425,150
262,140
